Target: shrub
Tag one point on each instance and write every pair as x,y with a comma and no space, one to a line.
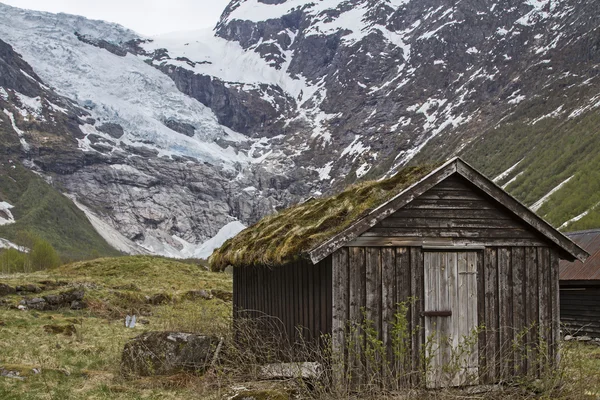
43,256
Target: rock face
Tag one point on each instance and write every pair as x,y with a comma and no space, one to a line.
167,140
165,353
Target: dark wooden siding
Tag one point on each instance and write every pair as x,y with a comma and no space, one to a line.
293,299
580,310
454,209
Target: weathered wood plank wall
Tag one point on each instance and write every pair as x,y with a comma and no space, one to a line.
520,312
369,283
517,306
454,210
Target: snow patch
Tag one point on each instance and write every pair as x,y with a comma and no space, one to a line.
362,170
31,105
578,217
20,133
356,148
554,114
507,172
538,204
325,171
6,244
6,216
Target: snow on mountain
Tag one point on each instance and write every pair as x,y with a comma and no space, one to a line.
113,88
6,216
187,137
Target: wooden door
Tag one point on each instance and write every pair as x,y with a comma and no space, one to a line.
451,318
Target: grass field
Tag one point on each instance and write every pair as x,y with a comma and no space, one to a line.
86,365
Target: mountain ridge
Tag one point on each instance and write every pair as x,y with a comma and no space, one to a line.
290,99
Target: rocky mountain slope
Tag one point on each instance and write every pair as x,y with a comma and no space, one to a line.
175,137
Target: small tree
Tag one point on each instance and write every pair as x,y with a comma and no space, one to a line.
43,255
12,260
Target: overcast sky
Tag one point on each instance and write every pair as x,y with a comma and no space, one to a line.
149,17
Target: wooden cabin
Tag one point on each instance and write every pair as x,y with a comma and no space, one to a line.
476,270
580,288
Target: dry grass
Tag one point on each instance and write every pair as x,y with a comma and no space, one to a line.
282,237
86,365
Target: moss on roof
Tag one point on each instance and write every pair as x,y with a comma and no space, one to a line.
291,233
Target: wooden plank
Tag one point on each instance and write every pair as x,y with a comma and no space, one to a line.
555,306
403,293
512,233
459,223
481,313
505,296
416,267
463,318
388,307
373,304
544,300
420,203
413,241
339,298
435,194
323,330
329,294
531,308
490,214
492,314
357,303
454,304
430,281
473,355
518,311
455,182
310,268
445,297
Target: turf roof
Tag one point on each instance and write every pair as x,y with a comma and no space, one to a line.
292,233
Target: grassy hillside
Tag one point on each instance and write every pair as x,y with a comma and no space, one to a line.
41,210
551,152
86,364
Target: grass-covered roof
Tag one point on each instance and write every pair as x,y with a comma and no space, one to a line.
291,233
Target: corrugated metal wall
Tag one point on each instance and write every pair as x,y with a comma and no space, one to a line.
294,298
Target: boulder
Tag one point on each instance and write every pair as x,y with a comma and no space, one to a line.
29,288
198,294
6,290
305,370
166,353
222,294
158,299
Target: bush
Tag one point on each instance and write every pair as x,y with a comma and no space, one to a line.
12,260
43,256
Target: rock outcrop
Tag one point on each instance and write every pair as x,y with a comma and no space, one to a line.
165,353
